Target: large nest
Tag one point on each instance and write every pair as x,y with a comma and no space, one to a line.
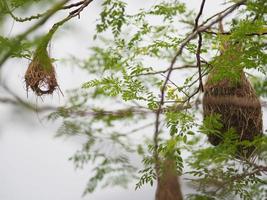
40,75
239,107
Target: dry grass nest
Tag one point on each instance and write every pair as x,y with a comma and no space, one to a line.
168,187
40,76
239,108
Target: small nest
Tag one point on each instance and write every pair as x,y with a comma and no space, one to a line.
40,75
239,108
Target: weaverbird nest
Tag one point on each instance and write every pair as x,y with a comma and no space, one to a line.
239,108
40,76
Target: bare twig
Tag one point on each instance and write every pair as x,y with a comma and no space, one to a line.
199,62
219,13
19,19
80,9
73,5
199,15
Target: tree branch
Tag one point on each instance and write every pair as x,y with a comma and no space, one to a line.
199,45
166,70
199,15
16,100
229,33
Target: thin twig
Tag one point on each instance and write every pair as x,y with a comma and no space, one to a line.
201,88
219,13
20,19
80,9
73,5
199,15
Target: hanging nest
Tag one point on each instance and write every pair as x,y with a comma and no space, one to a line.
239,108
40,76
168,187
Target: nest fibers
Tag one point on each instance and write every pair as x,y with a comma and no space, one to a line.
40,75
168,187
239,108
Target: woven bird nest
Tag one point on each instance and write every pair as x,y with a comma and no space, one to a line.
239,108
40,76
168,187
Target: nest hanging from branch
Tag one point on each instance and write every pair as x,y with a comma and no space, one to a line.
40,76
239,108
168,187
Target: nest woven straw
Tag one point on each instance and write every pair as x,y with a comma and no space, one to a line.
168,187
40,76
238,106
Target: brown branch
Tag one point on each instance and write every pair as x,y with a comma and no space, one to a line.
166,70
199,61
229,33
70,16
19,19
80,9
73,5
123,112
199,45
219,13
16,100
199,15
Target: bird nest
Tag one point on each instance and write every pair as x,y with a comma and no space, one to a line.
168,187
239,108
40,76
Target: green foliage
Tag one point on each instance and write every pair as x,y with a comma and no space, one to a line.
109,85
112,16
148,174
222,175
212,125
179,123
21,51
168,10
19,3
257,9
122,72
117,171
127,72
